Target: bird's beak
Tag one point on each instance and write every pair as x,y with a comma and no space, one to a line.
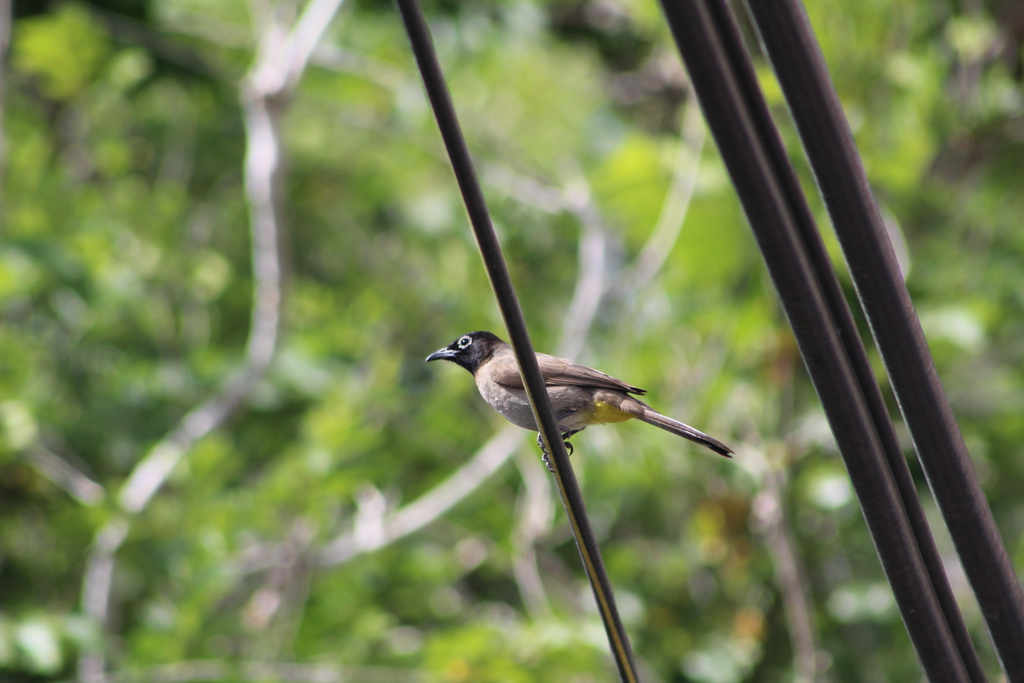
441,354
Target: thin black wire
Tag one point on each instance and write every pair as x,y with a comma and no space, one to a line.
726,86
790,43
501,282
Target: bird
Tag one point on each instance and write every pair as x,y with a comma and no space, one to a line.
580,396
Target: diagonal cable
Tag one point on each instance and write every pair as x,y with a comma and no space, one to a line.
790,43
501,282
750,146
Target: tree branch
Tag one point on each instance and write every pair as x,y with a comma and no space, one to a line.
676,205
6,18
427,507
211,670
770,520
264,93
535,514
65,475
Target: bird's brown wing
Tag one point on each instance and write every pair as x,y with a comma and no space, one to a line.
557,372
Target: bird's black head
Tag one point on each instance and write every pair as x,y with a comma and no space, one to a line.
469,350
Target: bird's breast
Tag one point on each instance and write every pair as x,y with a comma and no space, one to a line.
512,404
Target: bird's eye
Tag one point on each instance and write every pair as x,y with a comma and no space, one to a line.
465,342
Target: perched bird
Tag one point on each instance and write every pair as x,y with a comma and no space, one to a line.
580,396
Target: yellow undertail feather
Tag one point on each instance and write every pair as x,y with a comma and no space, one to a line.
606,412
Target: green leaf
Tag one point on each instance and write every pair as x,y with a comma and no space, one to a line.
63,49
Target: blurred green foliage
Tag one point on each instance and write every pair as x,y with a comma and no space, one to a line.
125,294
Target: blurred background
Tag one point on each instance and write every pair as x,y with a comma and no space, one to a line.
230,237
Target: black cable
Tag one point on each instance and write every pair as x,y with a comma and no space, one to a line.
800,66
873,395
501,282
726,86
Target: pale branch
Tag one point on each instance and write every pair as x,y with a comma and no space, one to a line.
97,580
305,37
64,475
427,507
666,231
325,55
263,94
525,190
341,60
535,513
282,57
262,165
575,198
372,508
591,283
213,670
6,19
275,611
770,519
263,169
153,470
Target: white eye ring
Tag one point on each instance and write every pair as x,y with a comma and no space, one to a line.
465,342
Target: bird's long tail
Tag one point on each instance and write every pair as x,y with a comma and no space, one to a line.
655,418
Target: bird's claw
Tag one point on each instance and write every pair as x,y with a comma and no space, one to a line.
545,456
565,439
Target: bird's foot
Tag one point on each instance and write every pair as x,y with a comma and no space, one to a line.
565,439
544,454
